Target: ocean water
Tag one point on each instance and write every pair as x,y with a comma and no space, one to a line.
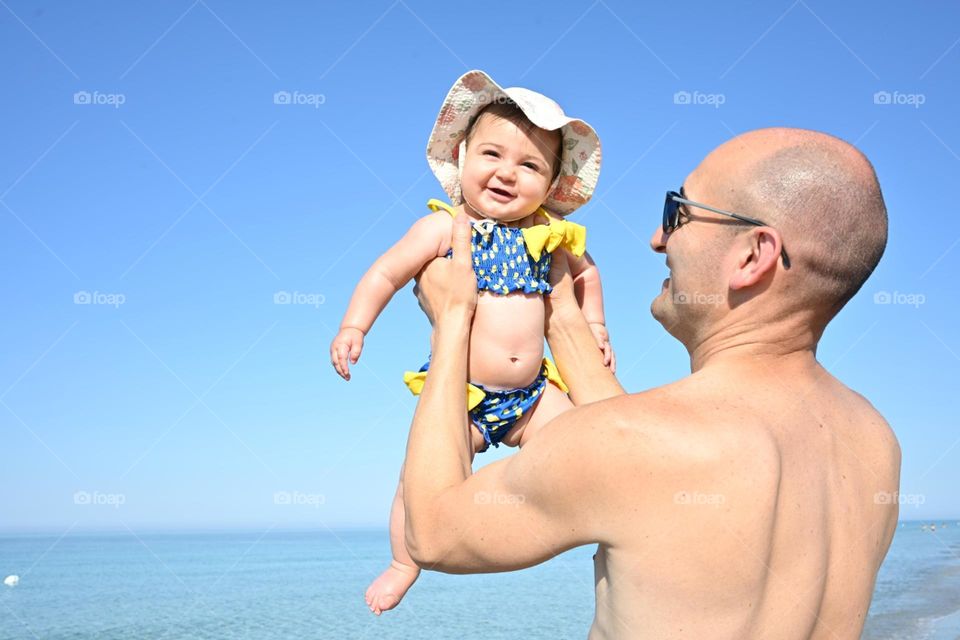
276,585
917,595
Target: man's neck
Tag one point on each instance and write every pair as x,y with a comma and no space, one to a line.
783,341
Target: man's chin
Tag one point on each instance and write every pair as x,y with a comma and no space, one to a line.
658,308
665,313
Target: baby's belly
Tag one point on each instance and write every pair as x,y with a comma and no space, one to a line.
506,342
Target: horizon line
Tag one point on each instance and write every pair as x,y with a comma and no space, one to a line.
258,528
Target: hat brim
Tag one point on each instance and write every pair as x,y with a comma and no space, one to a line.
580,149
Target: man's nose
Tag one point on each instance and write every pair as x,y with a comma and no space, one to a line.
658,241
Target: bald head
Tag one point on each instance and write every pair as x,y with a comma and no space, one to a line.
821,193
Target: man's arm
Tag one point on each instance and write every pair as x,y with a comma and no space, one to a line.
572,343
513,513
555,494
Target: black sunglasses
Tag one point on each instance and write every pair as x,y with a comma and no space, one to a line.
672,219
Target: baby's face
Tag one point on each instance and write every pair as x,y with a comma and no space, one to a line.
508,171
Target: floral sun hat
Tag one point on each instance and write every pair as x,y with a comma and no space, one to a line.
580,148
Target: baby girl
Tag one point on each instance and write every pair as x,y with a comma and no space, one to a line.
514,164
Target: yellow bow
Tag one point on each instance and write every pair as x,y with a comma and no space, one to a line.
559,233
553,375
415,379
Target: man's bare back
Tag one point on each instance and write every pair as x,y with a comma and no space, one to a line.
770,526
754,499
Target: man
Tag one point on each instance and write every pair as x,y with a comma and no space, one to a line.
744,501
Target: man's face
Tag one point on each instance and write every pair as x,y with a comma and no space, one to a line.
508,171
698,256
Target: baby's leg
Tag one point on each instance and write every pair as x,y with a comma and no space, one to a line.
388,589
385,592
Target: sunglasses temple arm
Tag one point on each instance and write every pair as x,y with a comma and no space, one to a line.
721,211
783,252
786,260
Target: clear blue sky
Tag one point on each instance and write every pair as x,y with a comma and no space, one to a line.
178,191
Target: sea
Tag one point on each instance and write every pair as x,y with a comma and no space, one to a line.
269,584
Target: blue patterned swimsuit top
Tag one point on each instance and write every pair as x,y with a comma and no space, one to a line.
503,264
502,260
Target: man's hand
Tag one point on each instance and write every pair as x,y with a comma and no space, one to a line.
573,342
345,350
446,287
561,303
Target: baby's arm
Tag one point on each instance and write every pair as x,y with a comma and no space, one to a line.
391,272
589,292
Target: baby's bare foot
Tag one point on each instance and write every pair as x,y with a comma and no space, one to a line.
388,589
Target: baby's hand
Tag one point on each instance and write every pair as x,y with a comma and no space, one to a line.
346,345
600,334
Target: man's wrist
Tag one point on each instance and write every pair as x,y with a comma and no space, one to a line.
456,320
560,316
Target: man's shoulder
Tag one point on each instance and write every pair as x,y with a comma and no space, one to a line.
667,428
874,432
641,458
678,411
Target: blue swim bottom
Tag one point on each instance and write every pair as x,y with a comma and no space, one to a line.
494,412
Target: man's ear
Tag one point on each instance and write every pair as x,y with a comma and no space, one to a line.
758,256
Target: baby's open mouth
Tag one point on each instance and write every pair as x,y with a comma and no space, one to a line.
500,192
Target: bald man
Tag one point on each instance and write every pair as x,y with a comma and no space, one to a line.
751,499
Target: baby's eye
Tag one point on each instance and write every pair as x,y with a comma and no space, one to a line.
491,153
532,165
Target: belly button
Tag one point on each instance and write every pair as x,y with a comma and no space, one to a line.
513,359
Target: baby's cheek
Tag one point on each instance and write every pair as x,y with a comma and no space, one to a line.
535,189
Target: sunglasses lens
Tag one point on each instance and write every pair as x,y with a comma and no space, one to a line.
671,210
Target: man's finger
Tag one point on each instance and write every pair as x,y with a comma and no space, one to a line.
460,240
561,280
559,265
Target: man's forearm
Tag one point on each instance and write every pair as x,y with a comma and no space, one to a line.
580,363
438,451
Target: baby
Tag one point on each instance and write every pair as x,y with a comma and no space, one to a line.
512,162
